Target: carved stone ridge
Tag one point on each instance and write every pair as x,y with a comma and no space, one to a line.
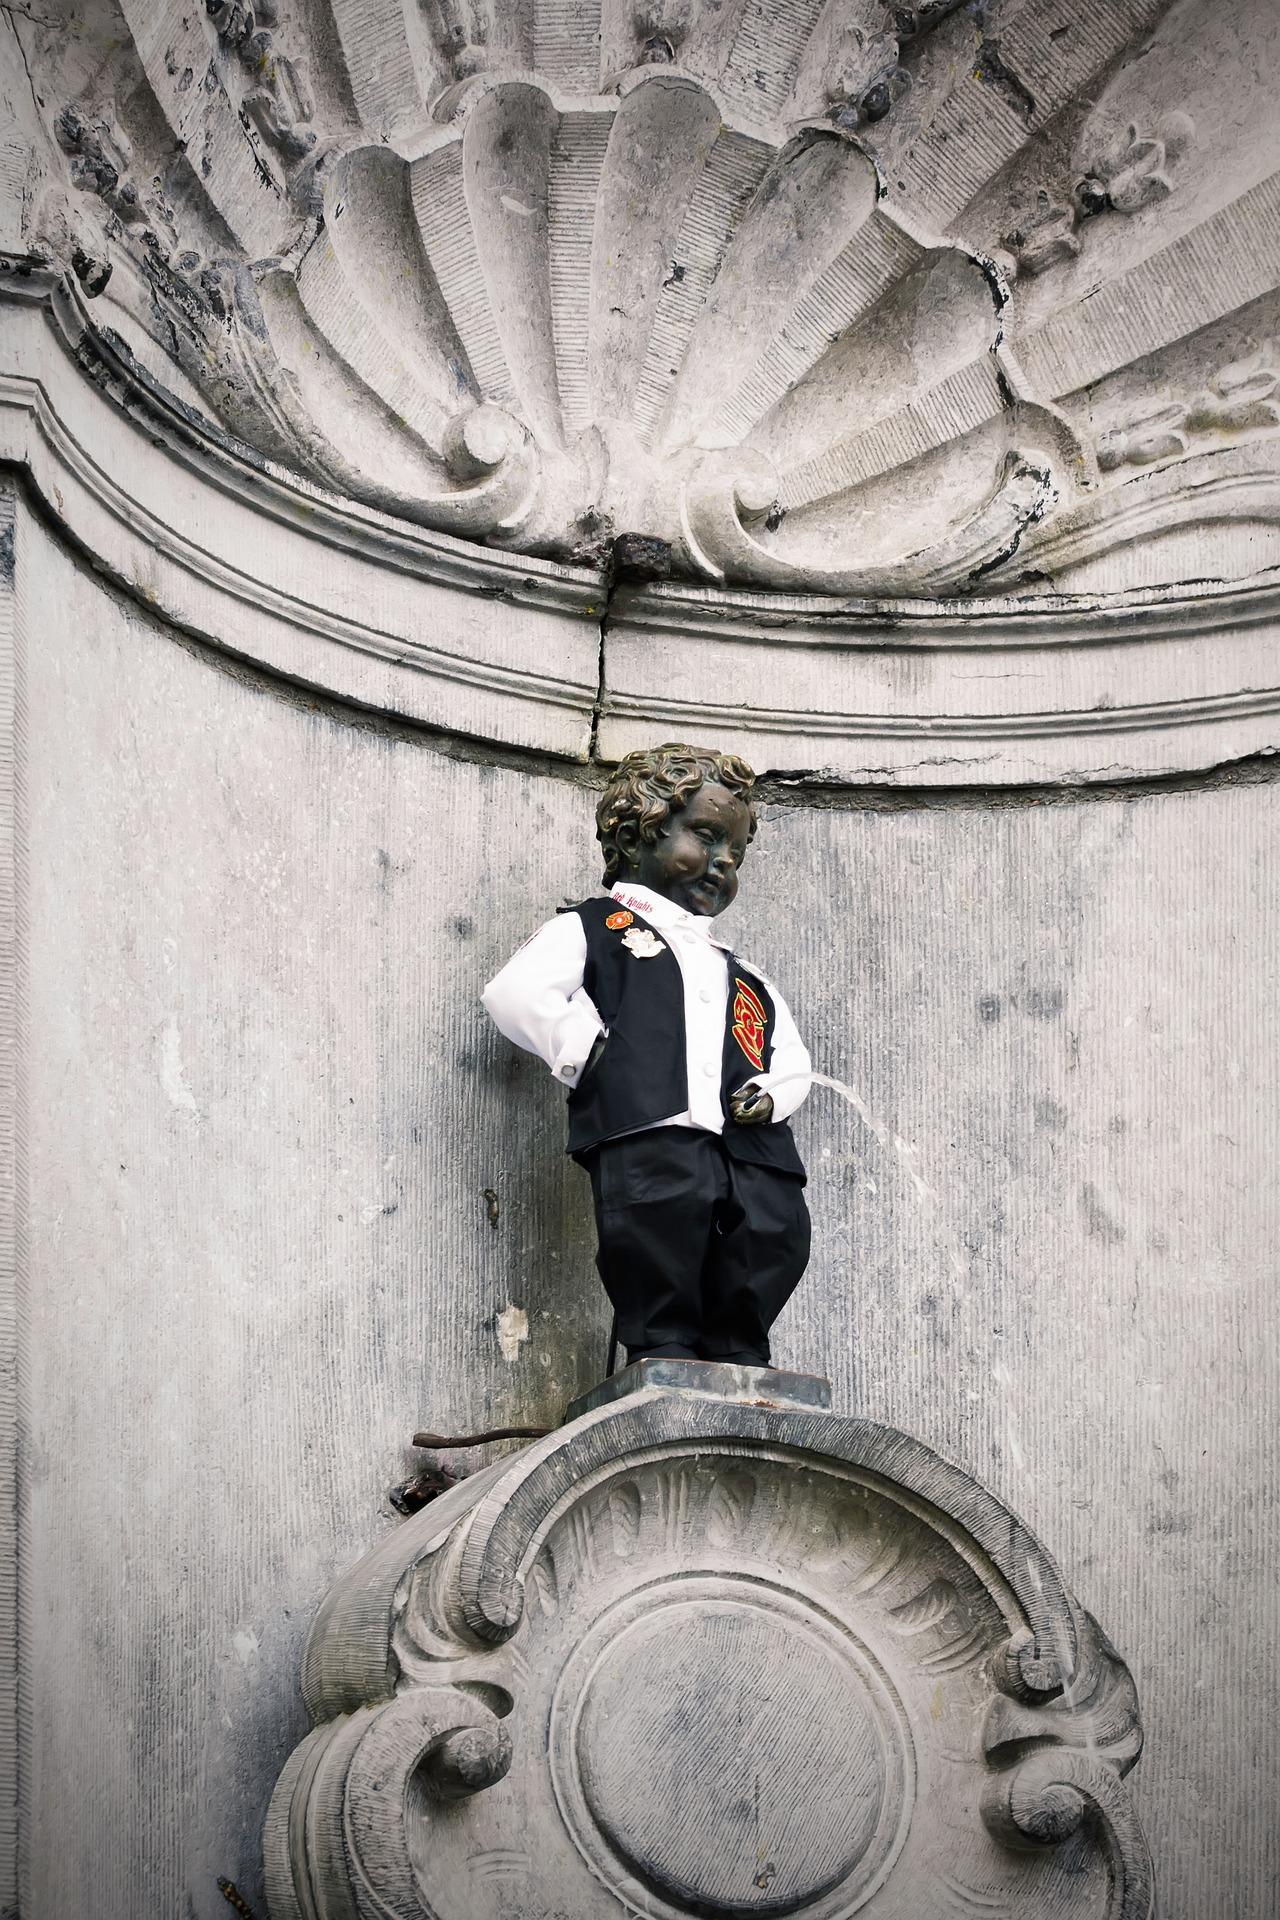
795,296
702,1655
334,595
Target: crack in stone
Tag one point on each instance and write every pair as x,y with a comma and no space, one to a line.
597,705
36,20
816,789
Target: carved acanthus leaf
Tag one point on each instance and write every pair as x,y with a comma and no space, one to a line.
1135,169
1131,172
1240,398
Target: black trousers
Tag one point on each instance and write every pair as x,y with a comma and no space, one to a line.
698,1252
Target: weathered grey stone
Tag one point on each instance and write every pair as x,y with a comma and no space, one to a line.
240,1010
13,1173
893,303
401,621
277,1196
714,1656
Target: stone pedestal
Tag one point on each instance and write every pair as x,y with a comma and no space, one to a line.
710,1650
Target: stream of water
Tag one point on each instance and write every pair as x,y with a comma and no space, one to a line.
928,1197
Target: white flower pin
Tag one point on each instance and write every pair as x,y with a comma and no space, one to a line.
642,943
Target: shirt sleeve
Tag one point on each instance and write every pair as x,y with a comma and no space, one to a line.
787,1081
538,999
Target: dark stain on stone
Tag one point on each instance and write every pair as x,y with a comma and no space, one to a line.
1049,1113
990,1009
463,925
1117,1124
8,552
1020,468
993,71
93,275
675,276
876,102
410,1496
1045,1005
1097,1219
640,556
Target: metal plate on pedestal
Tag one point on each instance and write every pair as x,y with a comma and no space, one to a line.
756,1386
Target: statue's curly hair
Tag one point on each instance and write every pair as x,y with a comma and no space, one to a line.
655,782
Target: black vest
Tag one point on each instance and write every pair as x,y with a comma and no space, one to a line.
642,1077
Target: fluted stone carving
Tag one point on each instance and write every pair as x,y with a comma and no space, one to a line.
828,298
708,1652
929,351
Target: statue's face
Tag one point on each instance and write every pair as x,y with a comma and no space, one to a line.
695,859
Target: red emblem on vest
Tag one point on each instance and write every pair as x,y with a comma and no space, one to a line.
616,921
748,1022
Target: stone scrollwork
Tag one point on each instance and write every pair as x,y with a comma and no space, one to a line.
674,246
1240,399
1131,171
710,1652
661,249
501,296
718,536
1060,1763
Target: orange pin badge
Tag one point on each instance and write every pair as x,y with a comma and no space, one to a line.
617,921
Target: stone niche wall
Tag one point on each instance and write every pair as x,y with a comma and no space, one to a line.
263,1108
932,353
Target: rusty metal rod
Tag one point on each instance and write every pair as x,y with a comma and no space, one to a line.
479,1439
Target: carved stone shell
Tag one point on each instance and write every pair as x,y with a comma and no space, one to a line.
824,295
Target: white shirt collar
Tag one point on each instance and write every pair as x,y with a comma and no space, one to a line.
661,912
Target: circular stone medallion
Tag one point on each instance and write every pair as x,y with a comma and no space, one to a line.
737,1751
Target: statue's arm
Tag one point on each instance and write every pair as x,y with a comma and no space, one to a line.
538,999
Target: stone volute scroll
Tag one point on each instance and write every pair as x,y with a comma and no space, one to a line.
708,1649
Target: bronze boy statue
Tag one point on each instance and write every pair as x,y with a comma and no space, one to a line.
682,1064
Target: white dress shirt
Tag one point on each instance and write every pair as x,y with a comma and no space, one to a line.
538,1000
